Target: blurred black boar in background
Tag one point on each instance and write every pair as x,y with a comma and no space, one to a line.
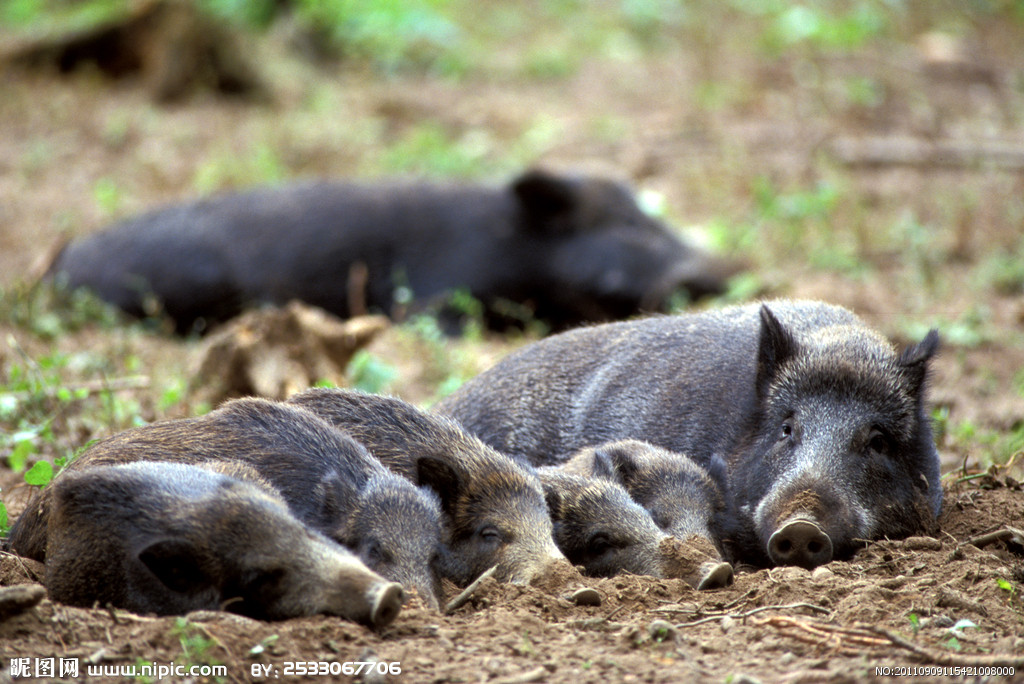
561,250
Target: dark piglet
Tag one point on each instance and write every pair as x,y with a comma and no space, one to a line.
683,498
560,249
598,526
170,538
328,481
493,509
821,422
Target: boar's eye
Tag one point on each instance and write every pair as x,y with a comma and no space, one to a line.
879,443
374,553
786,430
490,534
599,544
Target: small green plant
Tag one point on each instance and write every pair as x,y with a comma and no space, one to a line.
40,474
392,35
1009,588
1003,271
915,623
142,679
259,648
196,645
428,149
109,196
368,373
971,329
260,165
66,16
5,527
51,310
825,26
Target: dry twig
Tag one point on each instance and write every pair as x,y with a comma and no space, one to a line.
853,641
740,616
1006,534
950,659
467,593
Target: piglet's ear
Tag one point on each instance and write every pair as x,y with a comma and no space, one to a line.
603,466
775,347
175,563
914,359
553,498
615,463
439,475
545,197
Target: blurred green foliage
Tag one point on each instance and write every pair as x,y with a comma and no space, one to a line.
553,37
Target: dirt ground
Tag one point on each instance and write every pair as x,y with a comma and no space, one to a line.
912,238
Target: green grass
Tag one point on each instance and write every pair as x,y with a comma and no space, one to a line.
259,165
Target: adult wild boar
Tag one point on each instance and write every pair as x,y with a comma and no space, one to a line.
821,422
170,538
563,250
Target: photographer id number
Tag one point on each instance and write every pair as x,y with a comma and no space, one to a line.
313,668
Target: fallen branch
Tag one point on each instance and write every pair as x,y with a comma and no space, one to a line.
842,640
740,616
950,659
467,593
853,641
1006,534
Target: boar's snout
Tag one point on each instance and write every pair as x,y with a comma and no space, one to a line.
715,575
362,595
386,601
800,542
538,566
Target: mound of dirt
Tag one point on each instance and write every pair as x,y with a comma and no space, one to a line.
919,602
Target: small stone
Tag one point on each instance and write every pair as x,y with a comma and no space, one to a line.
661,630
586,597
789,573
893,582
727,623
822,574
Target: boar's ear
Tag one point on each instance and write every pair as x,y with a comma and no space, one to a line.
553,498
439,475
914,359
776,345
615,464
603,466
544,196
175,563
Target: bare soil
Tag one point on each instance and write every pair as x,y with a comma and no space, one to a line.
67,142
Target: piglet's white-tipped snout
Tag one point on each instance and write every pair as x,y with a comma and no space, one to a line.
386,602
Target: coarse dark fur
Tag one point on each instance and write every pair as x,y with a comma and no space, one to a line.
328,480
493,509
562,250
683,498
795,396
170,538
598,526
